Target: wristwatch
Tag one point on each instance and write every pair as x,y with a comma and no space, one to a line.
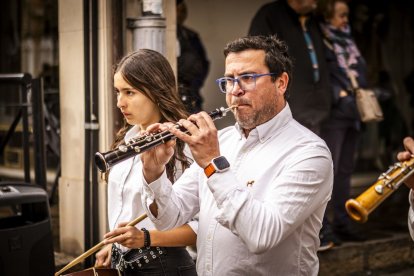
218,164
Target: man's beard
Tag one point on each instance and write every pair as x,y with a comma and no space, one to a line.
258,117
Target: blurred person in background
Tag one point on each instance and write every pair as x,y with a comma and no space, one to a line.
341,131
192,62
293,21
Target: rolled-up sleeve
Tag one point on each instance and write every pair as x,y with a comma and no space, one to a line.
177,204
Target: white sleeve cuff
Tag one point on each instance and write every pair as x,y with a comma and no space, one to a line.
194,225
156,191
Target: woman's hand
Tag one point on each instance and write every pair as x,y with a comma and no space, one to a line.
128,236
103,257
155,159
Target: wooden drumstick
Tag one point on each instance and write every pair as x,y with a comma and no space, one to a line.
95,248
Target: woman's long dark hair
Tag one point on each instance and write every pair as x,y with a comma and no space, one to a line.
150,72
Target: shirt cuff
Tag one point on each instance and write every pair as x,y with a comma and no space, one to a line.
194,225
154,187
221,184
152,191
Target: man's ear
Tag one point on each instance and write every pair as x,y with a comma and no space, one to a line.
282,82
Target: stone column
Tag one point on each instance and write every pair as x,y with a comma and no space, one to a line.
71,76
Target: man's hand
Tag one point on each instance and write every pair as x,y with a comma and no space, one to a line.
202,138
103,257
128,236
406,155
155,159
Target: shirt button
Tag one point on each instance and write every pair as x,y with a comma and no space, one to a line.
208,268
209,237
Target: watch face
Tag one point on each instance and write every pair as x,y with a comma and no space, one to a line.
221,163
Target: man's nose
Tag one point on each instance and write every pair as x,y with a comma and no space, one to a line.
237,90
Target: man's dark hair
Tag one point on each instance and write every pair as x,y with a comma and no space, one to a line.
276,53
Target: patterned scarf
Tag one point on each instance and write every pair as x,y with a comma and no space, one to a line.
343,45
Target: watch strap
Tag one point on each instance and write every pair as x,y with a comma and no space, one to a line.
209,170
147,237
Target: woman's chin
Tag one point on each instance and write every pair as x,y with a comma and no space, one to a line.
130,121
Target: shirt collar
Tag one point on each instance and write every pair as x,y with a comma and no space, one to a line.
271,127
131,133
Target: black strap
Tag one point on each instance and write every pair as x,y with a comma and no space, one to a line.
147,237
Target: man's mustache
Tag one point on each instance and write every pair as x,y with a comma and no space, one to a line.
241,102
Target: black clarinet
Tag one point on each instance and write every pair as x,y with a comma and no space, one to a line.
106,160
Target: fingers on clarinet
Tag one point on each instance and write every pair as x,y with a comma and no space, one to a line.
168,125
153,128
403,156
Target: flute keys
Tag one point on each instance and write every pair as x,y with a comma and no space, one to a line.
123,148
137,149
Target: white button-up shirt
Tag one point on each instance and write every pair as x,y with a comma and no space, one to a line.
261,217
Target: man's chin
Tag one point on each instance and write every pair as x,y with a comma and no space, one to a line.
245,121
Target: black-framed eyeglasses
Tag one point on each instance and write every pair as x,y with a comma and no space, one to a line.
246,82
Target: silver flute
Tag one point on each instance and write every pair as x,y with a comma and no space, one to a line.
106,160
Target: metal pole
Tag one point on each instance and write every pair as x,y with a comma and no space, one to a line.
87,183
39,133
149,29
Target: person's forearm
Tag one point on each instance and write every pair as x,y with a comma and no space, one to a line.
152,174
180,236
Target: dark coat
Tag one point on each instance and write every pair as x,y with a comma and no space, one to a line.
344,112
310,101
193,67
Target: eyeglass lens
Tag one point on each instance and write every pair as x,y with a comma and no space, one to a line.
246,82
